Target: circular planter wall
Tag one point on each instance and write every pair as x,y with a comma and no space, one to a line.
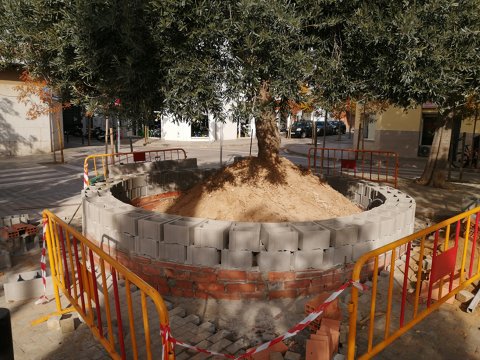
195,257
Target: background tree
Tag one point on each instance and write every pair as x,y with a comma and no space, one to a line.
408,53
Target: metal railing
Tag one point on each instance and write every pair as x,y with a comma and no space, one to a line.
376,166
98,164
89,278
425,270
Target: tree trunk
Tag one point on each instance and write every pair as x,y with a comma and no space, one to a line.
268,136
435,172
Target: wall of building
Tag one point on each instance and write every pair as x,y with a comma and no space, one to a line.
18,134
400,131
182,131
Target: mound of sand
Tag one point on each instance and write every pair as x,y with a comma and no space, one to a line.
250,190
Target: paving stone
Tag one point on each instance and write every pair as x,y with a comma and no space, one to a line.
208,326
192,318
196,338
219,335
220,345
179,311
200,356
237,346
204,344
183,356
176,320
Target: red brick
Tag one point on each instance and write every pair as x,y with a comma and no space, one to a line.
225,296
261,287
203,277
279,294
162,289
302,284
281,276
153,270
141,260
233,288
314,290
182,292
183,284
317,350
201,295
253,296
177,274
210,286
318,282
254,276
309,274
232,275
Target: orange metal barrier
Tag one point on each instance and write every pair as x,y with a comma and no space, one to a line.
88,278
377,166
425,270
91,163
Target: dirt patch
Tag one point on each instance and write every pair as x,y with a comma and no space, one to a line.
251,190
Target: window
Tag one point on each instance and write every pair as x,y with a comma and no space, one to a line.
369,127
199,127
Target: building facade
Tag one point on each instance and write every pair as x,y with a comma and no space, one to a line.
18,134
407,132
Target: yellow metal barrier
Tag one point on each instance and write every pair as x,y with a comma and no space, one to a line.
425,270
115,312
98,164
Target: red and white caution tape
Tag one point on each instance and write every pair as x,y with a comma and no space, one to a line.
86,181
43,265
167,336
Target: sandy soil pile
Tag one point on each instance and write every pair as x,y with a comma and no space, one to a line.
250,190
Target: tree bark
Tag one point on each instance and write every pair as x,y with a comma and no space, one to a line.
435,172
268,136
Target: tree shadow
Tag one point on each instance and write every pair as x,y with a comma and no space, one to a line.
10,140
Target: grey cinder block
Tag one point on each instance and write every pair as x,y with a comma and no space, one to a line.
237,259
312,237
31,286
244,236
340,233
203,256
274,261
311,259
342,254
147,247
5,260
212,233
152,227
181,231
279,236
128,221
361,248
175,253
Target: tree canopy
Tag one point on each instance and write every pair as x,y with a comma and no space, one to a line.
190,58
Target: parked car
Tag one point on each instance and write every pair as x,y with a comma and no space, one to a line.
321,128
339,127
301,129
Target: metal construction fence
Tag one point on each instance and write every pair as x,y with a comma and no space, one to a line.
425,270
377,166
96,166
113,309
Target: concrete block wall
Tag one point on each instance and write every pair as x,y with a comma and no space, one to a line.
263,247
